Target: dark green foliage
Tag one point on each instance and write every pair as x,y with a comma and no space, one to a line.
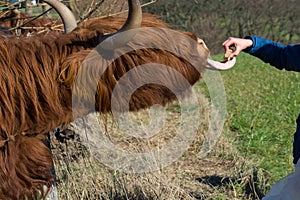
215,20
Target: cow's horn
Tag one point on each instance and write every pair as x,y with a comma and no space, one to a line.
215,65
134,20
65,13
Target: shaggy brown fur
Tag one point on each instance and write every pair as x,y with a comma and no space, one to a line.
37,80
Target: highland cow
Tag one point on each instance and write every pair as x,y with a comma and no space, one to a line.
37,86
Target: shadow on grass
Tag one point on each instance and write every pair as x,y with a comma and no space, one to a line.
251,184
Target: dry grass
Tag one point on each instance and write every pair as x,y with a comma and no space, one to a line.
221,175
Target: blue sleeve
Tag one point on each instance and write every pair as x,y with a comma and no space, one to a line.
278,55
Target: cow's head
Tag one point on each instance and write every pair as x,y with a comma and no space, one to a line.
134,21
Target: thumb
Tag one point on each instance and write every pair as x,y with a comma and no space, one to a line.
236,52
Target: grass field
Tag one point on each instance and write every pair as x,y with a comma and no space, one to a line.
263,104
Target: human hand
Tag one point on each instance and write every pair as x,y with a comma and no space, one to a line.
239,44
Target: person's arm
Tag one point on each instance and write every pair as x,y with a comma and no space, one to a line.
278,55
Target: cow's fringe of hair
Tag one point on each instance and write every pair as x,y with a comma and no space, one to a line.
37,78
82,71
